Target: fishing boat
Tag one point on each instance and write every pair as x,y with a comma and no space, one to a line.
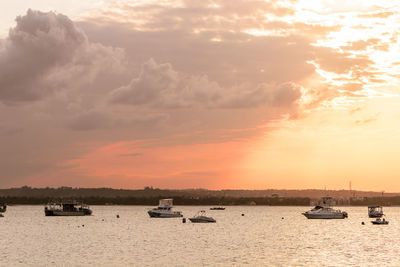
375,211
68,208
201,217
325,211
164,210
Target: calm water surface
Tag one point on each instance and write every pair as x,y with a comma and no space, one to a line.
260,238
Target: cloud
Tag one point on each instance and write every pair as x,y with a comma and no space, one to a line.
160,86
377,14
46,52
370,119
131,155
89,120
333,61
39,42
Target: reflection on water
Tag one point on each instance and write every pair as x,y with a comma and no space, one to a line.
272,236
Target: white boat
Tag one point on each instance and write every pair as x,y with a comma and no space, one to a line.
319,212
70,208
201,217
325,211
164,210
375,211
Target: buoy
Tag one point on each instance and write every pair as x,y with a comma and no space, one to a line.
83,225
283,218
117,215
183,220
362,223
242,214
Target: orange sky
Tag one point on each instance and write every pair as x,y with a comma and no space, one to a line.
210,94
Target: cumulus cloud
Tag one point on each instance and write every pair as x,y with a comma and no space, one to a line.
44,52
159,85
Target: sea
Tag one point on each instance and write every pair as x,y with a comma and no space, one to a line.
242,236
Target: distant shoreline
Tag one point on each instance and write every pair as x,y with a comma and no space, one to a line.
194,197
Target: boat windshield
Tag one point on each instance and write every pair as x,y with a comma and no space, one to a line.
318,207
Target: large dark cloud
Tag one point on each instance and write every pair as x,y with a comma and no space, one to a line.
39,42
45,52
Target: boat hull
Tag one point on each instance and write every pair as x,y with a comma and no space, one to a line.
378,223
324,216
67,213
195,220
156,214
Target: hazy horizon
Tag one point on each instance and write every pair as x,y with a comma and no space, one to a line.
200,94
205,189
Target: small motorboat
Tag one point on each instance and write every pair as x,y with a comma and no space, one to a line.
380,221
217,208
201,217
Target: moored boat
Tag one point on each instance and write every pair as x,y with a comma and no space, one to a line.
380,221
3,208
325,211
164,210
69,208
375,211
319,212
201,217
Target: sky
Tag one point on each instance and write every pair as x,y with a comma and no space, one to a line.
200,94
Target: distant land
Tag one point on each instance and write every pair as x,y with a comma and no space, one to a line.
150,196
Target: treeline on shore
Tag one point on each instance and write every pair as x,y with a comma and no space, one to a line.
150,196
153,201
148,191
179,200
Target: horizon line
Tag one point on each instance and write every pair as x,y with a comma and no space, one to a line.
205,189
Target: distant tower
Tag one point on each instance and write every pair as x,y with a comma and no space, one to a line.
350,188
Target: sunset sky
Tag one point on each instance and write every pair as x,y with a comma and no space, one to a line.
200,94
